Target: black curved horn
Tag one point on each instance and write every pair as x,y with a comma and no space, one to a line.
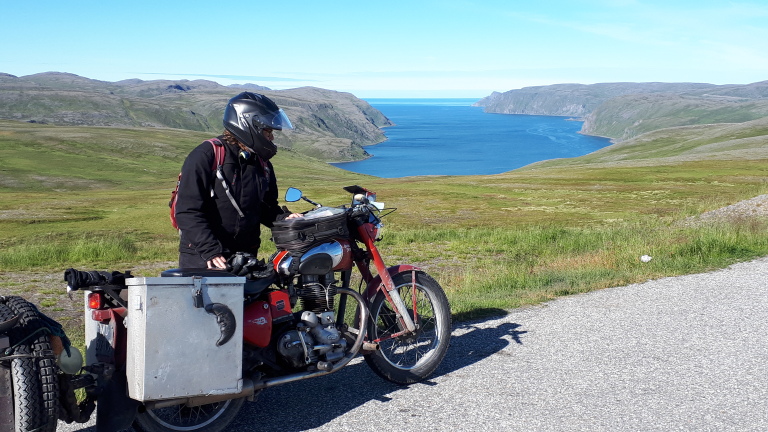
226,320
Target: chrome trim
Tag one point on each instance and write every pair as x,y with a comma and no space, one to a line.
333,249
284,266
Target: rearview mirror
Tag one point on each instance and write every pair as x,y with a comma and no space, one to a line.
293,195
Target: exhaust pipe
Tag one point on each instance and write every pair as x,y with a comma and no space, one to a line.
247,391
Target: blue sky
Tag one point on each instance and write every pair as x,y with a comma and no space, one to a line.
445,48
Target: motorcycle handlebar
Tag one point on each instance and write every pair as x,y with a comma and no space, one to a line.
359,210
77,279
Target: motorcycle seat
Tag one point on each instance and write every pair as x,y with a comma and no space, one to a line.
255,287
189,272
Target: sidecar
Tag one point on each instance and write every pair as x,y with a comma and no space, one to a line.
183,337
172,340
150,343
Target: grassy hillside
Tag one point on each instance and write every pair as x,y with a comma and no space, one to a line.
96,198
704,143
628,116
329,125
624,110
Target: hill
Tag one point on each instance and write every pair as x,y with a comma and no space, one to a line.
574,100
628,116
624,110
672,146
330,125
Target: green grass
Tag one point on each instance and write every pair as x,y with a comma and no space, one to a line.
494,242
44,252
490,269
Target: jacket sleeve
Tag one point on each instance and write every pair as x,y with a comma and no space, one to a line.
195,208
270,208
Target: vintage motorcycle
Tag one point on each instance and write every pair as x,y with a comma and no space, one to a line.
295,317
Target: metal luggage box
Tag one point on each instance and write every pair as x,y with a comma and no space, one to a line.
172,349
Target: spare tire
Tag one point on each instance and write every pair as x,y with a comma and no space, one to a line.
34,375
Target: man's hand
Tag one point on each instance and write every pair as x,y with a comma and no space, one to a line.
294,216
217,262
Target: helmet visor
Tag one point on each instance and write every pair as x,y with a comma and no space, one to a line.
275,120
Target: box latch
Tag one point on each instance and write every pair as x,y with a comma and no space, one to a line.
197,296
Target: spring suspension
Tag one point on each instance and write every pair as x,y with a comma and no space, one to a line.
317,292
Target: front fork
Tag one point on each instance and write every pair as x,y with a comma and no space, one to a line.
407,323
400,309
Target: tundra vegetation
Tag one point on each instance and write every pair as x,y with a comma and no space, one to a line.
95,198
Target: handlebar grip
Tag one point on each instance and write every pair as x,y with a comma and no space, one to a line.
77,279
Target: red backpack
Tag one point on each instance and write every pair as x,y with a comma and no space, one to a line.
219,152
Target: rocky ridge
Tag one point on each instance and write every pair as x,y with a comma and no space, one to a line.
329,125
621,111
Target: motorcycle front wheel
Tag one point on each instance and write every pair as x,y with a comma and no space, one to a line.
411,357
213,417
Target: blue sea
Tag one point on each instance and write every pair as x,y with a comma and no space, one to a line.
451,137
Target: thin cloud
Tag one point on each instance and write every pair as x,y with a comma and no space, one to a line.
233,77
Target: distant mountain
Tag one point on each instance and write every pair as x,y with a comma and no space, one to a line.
575,100
624,110
628,116
329,125
249,87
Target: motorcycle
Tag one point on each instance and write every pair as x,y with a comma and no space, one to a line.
297,316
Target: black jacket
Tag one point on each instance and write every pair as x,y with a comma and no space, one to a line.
210,225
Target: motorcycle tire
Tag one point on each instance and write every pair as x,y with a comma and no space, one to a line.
34,379
410,358
213,417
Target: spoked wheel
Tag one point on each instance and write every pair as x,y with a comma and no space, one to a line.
34,372
213,417
411,357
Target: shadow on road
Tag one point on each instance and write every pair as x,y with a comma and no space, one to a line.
312,403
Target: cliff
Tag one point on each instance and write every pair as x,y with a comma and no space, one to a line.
624,110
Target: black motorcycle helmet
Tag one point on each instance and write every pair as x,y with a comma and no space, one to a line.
247,114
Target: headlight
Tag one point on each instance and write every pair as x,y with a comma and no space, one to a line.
377,231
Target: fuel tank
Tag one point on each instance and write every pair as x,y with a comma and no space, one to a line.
322,259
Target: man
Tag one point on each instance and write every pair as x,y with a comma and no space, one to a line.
219,209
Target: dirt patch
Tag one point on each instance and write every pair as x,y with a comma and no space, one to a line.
48,291
753,207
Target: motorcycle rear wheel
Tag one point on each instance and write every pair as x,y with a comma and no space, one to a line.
213,417
410,358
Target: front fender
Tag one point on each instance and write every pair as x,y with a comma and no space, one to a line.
373,285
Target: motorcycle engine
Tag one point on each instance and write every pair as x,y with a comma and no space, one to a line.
315,341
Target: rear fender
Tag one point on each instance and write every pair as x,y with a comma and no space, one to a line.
116,411
106,345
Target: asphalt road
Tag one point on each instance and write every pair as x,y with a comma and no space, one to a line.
677,354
